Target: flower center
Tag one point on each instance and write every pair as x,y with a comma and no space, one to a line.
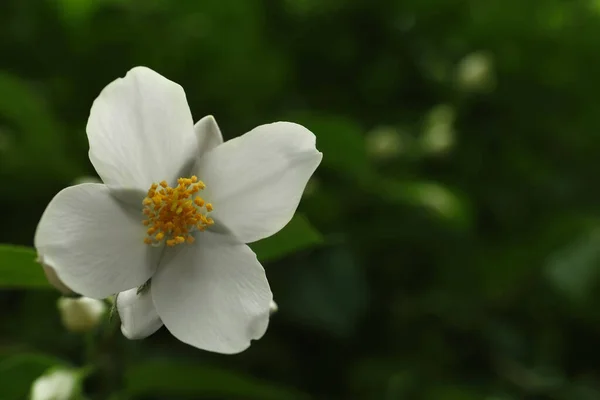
174,213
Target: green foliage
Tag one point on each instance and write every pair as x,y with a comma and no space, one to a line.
19,268
172,378
297,235
446,248
17,372
328,294
576,270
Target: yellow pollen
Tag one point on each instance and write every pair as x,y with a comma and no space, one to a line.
173,213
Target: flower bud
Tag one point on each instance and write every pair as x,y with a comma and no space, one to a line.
81,314
139,318
474,73
438,132
384,143
60,384
273,307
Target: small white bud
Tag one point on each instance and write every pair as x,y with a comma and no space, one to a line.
475,72
81,314
438,131
273,307
384,143
437,198
59,384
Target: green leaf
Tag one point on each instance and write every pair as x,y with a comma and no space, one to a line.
19,269
575,269
297,235
452,393
436,198
168,378
328,293
77,12
33,130
18,372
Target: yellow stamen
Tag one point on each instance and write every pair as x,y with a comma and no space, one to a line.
173,213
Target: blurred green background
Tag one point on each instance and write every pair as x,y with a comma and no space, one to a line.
447,248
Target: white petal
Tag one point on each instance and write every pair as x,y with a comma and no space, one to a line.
140,131
255,181
52,277
138,315
93,242
213,295
208,134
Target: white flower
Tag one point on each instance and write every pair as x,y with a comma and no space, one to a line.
60,384
148,221
81,314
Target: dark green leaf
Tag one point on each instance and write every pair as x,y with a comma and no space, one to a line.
170,378
328,292
574,270
298,235
436,198
18,372
19,269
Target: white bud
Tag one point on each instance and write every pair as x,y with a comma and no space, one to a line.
475,72
437,198
273,307
60,384
81,314
384,142
438,131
